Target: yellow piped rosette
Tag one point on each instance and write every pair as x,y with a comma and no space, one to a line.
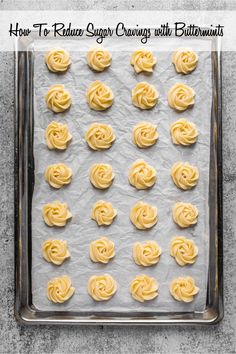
146,254
183,132
57,136
181,97
58,99
99,96
183,250
99,59
56,214
60,289
184,175
142,175
100,136
58,175
102,250
57,60
101,175
144,95
143,215
183,289
144,288
144,134
185,214
102,287
55,251
185,60
103,213
143,61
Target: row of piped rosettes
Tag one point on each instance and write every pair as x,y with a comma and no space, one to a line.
103,288
141,175
100,97
101,136
143,215
184,59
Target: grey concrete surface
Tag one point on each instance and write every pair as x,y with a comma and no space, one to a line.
118,5
16,338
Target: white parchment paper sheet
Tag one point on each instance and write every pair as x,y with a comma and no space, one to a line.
80,195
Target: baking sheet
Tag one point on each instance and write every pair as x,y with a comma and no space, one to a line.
80,195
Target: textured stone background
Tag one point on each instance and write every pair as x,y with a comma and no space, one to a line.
15,338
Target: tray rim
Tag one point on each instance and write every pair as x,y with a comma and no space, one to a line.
24,310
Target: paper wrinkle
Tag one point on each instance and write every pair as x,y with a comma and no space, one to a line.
80,195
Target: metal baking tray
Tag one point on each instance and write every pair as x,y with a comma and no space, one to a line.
24,184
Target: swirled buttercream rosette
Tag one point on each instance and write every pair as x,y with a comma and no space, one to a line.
102,287
185,214
103,213
99,96
183,250
142,175
58,99
144,95
57,136
183,132
184,175
55,251
146,254
60,289
102,250
144,288
98,59
101,175
185,60
100,136
56,214
181,97
183,289
143,61
144,134
143,215
58,175
57,60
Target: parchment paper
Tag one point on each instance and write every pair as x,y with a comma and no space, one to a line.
80,195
